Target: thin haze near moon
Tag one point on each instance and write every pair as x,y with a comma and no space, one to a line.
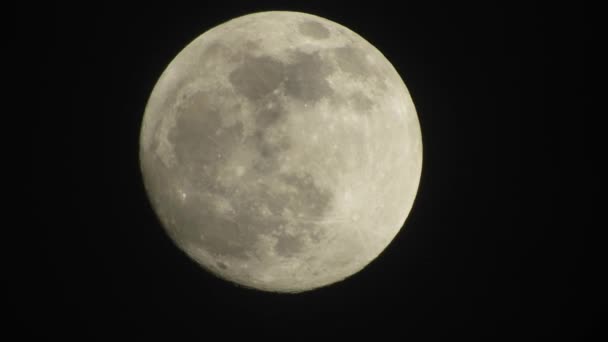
281,151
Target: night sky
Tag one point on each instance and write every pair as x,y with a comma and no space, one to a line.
485,250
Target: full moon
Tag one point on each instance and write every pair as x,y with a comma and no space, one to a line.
281,151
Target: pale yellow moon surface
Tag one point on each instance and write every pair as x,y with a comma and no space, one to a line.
281,151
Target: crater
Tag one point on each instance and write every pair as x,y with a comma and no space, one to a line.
352,60
307,77
289,245
257,77
269,114
313,29
270,146
215,50
308,200
361,103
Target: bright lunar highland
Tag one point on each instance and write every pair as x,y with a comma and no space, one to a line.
281,151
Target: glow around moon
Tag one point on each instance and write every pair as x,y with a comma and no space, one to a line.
281,151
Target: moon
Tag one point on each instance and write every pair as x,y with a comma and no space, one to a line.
281,151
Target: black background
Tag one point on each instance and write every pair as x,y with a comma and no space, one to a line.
485,250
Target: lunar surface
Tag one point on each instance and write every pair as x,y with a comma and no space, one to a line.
281,151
